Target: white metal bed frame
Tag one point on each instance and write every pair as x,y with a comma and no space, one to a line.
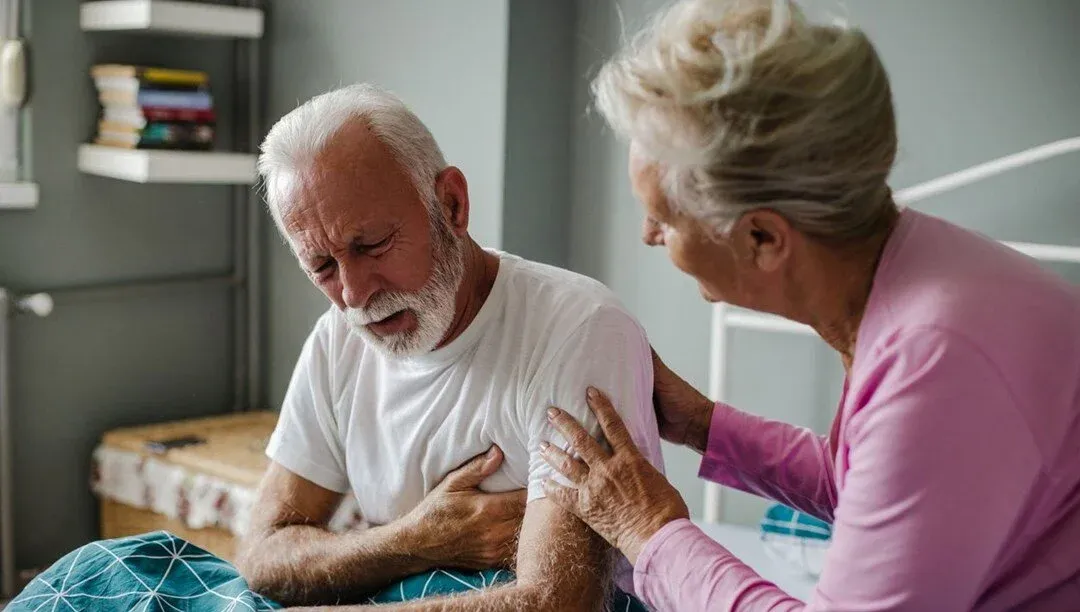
725,316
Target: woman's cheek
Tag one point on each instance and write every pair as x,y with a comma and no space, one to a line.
678,253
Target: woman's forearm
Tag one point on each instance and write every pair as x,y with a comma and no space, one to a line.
697,431
684,569
789,464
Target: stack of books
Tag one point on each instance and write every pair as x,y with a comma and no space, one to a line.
154,108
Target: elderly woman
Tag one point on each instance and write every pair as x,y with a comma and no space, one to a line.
760,145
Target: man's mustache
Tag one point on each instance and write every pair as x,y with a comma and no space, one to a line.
382,306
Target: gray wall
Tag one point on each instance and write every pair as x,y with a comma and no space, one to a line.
95,364
447,60
539,130
972,81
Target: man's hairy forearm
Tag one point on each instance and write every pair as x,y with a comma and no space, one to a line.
308,565
508,598
563,566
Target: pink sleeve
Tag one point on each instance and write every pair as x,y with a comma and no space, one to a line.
772,459
941,464
683,569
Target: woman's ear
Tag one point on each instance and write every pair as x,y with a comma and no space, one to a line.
766,238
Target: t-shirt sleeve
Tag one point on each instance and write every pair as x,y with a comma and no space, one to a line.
608,351
305,440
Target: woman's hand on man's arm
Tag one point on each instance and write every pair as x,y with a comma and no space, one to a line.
682,412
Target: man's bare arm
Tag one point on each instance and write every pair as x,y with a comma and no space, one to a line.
562,566
290,556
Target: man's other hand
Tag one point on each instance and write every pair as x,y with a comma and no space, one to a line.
458,525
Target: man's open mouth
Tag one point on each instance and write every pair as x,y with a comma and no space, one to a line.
389,325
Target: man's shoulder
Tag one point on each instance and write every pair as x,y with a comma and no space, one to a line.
562,297
562,315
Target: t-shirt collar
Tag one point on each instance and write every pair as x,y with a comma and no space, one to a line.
468,338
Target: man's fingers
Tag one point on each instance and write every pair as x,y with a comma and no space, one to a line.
614,429
564,497
566,465
470,475
580,441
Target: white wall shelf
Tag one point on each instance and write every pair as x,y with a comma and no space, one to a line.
170,16
18,196
158,166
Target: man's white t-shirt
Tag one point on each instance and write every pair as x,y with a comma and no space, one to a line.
389,430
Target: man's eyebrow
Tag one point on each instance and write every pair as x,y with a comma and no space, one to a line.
307,254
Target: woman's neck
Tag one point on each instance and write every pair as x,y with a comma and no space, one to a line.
837,290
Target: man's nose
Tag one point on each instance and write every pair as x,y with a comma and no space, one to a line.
358,282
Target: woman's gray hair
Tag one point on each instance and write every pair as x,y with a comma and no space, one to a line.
745,104
295,141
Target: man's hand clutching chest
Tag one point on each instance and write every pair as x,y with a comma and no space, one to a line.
290,555
457,522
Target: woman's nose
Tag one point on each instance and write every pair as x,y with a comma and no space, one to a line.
651,234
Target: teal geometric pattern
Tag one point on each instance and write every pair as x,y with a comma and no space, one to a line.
441,582
154,572
783,520
159,572
795,540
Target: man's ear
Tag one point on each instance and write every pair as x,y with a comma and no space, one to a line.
452,191
765,238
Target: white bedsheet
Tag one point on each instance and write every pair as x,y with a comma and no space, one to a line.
745,543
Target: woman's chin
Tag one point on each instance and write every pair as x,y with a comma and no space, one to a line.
708,296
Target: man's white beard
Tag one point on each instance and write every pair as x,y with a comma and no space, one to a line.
434,304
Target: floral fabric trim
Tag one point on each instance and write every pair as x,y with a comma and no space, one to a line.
197,500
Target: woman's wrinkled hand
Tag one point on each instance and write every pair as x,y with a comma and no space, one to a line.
683,413
617,493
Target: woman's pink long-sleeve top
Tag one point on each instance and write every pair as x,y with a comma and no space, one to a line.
952,472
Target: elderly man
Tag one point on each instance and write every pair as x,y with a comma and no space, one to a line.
434,353
423,393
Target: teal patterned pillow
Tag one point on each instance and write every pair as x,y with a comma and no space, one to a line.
783,520
161,572
151,572
795,539
440,582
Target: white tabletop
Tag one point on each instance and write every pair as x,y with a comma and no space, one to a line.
745,543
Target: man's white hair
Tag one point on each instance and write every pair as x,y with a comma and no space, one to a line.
299,137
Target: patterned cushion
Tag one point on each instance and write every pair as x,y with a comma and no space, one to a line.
159,571
782,520
795,539
154,571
